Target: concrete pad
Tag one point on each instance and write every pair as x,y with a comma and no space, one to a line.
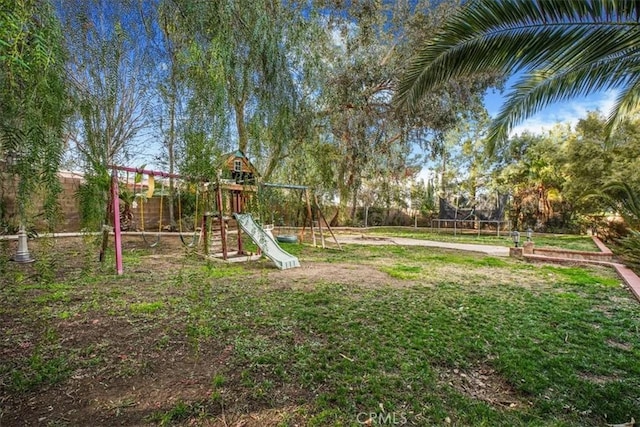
403,241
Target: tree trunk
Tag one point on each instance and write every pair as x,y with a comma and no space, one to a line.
274,161
354,206
443,179
335,220
171,142
243,137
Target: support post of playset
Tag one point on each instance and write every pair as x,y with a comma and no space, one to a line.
322,218
205,236
115,197
310,216
239,208
223,232
315,199
240,248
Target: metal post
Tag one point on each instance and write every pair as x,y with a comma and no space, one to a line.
455,220
115,196
310,215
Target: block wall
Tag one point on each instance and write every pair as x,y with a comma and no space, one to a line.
70,210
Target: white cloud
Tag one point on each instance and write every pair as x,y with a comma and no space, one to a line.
567,112
426,174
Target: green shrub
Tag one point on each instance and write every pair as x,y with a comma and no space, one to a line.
628,249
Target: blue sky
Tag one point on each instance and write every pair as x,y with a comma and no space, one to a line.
562,112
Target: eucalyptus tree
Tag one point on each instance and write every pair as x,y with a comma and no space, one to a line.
353,99
33,103
562,48
305,89
372,138
188,108
168,43
462,164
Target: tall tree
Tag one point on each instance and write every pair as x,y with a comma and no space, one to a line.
462,164
596,166
372,138
33,102
109,71
530,169
244,63
563,48
354,92
109,75
166,29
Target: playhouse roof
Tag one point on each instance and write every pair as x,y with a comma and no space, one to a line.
247,166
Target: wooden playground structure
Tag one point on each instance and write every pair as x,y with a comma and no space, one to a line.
216,230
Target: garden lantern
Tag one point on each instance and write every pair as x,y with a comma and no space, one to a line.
516,238
529,234
22,254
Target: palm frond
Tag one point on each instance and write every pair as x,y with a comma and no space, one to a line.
627,104
574,39
537,90
624,197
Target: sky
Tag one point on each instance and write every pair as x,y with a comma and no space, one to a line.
562,112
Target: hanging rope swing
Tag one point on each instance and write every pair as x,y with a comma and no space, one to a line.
148,195
194,237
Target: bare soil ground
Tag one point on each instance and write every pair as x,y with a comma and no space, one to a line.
136,378
121,368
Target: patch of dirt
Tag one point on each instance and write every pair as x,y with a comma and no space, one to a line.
620,300
374,238
135,380
311,274
288,415
126,368
483,383
604,310
476,275
620,345
597,379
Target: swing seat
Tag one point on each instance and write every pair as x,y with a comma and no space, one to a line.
287,239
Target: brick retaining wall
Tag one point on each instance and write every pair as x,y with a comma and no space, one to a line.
577,255
605,257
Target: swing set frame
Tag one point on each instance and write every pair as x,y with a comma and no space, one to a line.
239,195
313,214
115,206
238,198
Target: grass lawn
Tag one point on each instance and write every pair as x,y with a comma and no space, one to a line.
560,241
383,335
